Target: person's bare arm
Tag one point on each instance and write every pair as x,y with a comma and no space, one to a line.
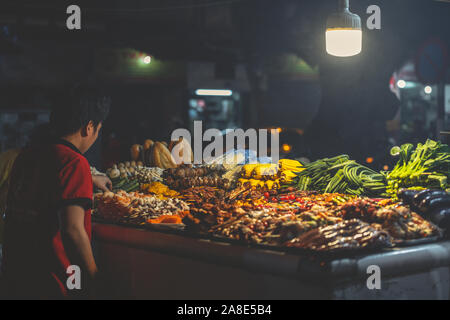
102,182
76,240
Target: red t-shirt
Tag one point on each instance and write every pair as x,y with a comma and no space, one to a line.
44,180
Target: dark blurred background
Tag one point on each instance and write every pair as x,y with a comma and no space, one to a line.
153,55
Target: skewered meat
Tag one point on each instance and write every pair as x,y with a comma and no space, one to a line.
315,217
350,234
187,171
414,228
184,177
208,207
399,221
253,227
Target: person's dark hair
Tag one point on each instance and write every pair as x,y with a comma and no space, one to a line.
77,108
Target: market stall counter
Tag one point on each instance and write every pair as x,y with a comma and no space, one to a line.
236,228
154,263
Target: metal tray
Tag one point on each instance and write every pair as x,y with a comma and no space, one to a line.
416,242
153,226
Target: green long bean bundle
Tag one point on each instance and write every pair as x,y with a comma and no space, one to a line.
341,175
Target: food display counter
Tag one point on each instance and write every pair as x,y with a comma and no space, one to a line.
140,263
231,228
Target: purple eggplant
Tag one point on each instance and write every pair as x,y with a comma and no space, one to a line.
441,217
430,204
407,195
418,198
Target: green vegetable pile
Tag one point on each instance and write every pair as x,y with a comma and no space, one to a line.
125,184
427,167
341,175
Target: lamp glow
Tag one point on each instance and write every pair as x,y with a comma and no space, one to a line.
213,92
428,90
343,42
343,34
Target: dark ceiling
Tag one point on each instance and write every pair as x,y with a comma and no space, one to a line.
230,31
209,29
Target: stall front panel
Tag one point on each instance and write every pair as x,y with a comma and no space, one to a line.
148,264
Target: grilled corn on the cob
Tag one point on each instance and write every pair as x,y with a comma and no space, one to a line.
247,170
291,165
265,172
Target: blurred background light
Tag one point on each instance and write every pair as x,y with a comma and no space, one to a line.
286,148
401,84
147,59
213,92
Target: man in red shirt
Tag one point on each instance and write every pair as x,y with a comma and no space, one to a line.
48,215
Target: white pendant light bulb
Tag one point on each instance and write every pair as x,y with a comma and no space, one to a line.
344,34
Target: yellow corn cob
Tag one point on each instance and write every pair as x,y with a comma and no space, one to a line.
291,165
247,170
288,174
242,181
276,184
265,172
259,170
269,184
252,182
256,183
